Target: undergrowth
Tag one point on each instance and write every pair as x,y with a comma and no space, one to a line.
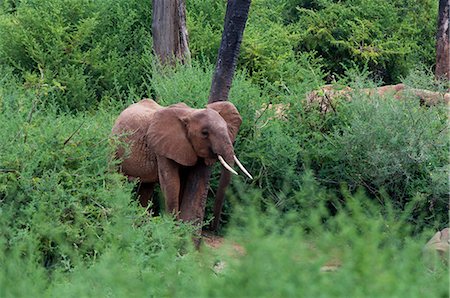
358,190
71,224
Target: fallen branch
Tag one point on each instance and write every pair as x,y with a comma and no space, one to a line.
328,94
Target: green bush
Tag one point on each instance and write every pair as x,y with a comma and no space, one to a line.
384,145
286,252
205,25
268,48
63,203
362,186
56,190
82,51
86,51
381,144
390,37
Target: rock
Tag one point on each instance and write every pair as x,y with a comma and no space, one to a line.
438,246
331,266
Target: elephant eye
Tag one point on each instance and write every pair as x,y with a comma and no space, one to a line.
205,133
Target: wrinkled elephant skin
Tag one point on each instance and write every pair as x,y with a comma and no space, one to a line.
166,143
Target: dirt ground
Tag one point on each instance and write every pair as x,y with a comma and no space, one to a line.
216,242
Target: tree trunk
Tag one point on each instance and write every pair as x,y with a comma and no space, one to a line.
442,42
197,182
233,30
234,25
170,37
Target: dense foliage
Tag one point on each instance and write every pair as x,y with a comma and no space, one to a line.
85,51
361,187
82,51
389,37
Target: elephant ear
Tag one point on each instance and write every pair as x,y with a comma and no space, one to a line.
230,114
167,135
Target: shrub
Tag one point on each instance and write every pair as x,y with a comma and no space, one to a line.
385,145
268,48
57,191
63,203
390,37
71,225
352,145
370,250
82,50
86,51
205,25
285,253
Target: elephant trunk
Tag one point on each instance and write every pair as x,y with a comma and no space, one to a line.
223,149
224,181
227,158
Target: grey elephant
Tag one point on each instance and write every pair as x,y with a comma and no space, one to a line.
165,143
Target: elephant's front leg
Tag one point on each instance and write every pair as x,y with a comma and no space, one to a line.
169,179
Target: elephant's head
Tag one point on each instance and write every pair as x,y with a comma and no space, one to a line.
184,134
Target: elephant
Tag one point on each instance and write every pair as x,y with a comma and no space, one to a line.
166,143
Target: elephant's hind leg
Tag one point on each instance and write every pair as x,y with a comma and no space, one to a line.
145,192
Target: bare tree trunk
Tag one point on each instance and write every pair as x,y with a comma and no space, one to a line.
233,30
234,25
170,36
194,196
442,42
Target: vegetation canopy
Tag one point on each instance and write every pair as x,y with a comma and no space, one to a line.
357,190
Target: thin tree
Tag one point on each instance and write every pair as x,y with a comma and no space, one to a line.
442,42
170,35
234,25
194,196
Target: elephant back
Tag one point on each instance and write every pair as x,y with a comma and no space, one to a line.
130,127
135,118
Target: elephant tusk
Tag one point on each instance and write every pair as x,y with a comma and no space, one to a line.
226,166
242,167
